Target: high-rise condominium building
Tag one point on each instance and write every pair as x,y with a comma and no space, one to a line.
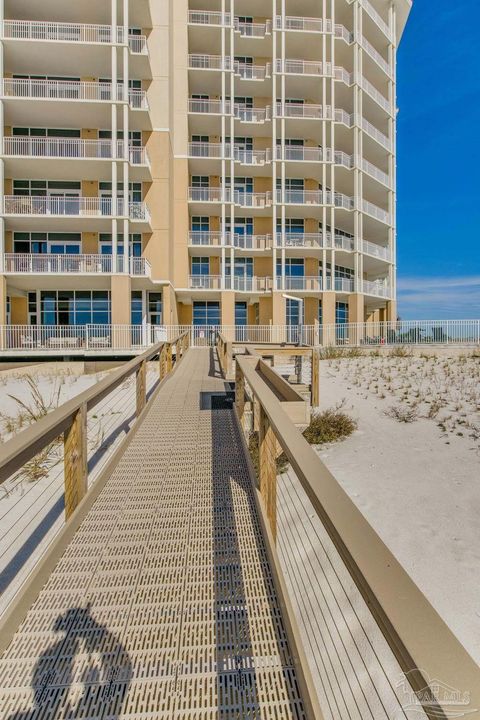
198,161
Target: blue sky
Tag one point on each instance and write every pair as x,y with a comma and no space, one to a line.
438,203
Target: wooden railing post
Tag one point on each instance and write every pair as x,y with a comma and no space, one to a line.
75,460
141,377
162,362
169,358
315,378
239,393
267,453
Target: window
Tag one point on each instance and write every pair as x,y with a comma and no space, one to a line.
294,230
240,313
155,308
45,132
294,312
134,136
294,267
134,247
136,307
200,181
200,266
206,313
75,307
244,59
40,243
32,308
241,226
242,267
47,188
200,223
341,313
320,312
134,190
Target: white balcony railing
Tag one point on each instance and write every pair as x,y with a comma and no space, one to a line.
375,55
198,61
252,30
252,242
20,263
86,91
376,212
72,148
240,154
375,94
303,67
247,284
202,194
318,241
239,197
376,17
315,197
378,251
304,110
245,71
205,282
202,105
381,288
251,115
209,17
374,133
375,172
37,205
78,338
302,24
303,283
71,32
208,238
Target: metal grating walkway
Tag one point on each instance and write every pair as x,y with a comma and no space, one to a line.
163,605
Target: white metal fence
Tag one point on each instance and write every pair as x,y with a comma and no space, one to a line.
41,339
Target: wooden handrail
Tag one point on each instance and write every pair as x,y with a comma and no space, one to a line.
421,641
23,447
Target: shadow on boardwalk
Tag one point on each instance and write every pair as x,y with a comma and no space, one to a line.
86,667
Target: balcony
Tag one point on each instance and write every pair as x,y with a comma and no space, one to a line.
72,149
251,115
216,239
240,154
23,263
379,288
376,212
239,197
303,67
82,91
251,72
75,207
72,33
252,242
252,30
377,251
198,61
303,283
315,197
376,17
314,241
240,283
205,282
307,111
375,94
375,55
302,24
209,17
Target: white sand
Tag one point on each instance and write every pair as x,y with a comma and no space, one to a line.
418,484
31,513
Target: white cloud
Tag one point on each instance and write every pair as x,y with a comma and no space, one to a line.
439,297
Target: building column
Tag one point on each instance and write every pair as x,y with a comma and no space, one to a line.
278,309
391,311
356,314
327,336
3,300
227,308
120,300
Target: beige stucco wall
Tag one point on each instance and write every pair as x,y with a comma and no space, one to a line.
120,299
328,308
356,311
19,310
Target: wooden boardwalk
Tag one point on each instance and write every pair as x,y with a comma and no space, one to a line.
163,604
